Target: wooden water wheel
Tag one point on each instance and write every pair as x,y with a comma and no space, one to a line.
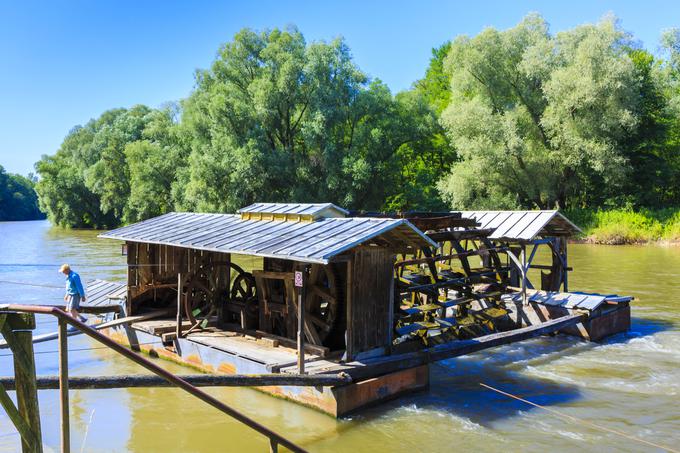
323,302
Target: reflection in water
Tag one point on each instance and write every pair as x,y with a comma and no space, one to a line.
628,382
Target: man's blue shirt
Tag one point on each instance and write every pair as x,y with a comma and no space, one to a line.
73,284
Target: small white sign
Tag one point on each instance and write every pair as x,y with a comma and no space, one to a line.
298,279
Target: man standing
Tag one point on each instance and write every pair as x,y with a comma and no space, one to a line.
75,294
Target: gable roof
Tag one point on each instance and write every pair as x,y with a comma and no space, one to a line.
313,242
523,225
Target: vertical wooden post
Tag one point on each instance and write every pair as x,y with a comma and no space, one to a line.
300,284
563,252
273,446
390,311
24,375
300,333
178,330
63,388
525,301
349,335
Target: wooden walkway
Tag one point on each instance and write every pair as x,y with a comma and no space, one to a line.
103,296
572,300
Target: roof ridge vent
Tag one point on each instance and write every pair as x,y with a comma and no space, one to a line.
292,212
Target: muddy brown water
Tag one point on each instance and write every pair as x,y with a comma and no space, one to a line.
630,382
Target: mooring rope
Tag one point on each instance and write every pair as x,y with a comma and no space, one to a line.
579,421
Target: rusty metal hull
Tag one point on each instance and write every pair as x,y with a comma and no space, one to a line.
334,401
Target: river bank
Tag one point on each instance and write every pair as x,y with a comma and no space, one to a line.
623,226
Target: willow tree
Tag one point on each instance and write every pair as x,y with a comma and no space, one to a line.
539,119
277,119
97,179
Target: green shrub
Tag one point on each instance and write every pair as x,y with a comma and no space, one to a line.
625,226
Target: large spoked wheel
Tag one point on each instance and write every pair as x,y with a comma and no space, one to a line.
323,300
243,291
199,299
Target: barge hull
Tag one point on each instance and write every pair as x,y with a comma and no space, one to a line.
335,401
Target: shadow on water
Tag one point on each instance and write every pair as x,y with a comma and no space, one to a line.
454,389
641,327
454,383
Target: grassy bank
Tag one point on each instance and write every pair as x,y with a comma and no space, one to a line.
620,226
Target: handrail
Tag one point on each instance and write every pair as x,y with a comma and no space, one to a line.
157,370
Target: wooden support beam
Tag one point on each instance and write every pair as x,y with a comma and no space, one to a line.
63,388
321,351
198,380
178,327
15,417
17,330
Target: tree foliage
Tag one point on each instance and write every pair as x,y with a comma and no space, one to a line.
504,119
540,119
18,200
87,183
277,119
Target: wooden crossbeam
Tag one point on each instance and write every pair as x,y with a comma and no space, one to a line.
20,424
198,380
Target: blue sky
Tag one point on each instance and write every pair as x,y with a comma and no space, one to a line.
64,63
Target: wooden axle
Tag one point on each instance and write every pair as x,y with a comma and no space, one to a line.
198,380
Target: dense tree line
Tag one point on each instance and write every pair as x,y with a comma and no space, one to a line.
18,200
504,119
582,118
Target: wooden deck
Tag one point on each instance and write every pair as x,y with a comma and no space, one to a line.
102,295
571,300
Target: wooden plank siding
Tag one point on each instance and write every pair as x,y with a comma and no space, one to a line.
368,305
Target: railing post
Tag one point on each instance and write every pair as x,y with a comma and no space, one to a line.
273,446
63,388
19,335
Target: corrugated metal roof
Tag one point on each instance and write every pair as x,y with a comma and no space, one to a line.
313,242
523,225
313,209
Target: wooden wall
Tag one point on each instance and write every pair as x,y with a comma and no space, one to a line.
153,266
370,299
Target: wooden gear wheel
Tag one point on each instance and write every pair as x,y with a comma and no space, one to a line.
323,302
243,290
199,298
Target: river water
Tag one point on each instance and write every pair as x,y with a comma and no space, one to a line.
629,383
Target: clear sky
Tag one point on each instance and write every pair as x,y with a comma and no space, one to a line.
64,63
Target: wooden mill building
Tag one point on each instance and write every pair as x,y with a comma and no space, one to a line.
293,288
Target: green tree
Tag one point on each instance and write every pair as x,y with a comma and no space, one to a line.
62,191
18,200
90,183
425,159
277,119
540,120
153,164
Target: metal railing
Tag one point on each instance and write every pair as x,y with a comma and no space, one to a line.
63,318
